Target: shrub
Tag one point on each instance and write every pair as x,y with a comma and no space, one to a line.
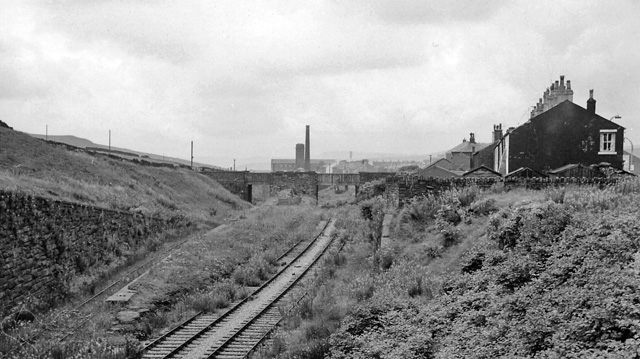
416,288
467,195
420,209
447,214
483,207
450,236
555,194
254,272
386,259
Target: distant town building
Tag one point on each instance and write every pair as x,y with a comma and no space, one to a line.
460,156
393,165
290,165
353,167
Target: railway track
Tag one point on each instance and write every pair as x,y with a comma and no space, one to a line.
82,311
235,333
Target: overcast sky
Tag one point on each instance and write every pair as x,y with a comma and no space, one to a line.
242,78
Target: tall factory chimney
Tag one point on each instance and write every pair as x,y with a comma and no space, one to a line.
299,155
307,152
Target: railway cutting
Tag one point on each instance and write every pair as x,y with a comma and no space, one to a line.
235,333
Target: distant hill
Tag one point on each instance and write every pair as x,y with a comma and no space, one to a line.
87,144
345,155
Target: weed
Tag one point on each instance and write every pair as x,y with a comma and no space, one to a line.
416,288
386,259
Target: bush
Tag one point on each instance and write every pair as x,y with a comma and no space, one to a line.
254,272
420,209
483,207
386,259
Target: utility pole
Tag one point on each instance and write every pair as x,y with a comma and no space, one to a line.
191,154
631,168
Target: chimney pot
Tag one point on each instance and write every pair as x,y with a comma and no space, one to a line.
591,103
568,84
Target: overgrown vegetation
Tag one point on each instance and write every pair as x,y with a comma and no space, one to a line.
545,274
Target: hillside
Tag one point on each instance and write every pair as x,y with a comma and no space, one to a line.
122,152
37,167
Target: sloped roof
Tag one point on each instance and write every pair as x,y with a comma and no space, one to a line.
468,147
567,106
436,171
567,167
440,163
482,168
525,171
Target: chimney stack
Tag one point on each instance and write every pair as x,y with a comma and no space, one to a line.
497,133
472,138
299,155
591,103
307,152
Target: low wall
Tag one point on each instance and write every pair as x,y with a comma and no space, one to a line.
400,189
44,242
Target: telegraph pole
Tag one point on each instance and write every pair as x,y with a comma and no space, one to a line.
191,154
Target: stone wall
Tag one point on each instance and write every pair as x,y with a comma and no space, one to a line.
302,183
44,243
400,189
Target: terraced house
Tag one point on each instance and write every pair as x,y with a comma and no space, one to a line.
559,133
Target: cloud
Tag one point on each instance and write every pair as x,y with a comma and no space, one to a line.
430,11
242,78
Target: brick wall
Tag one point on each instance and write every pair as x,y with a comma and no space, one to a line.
44,243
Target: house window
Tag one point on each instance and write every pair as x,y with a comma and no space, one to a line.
607,142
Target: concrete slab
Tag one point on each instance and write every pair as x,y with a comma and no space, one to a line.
124,294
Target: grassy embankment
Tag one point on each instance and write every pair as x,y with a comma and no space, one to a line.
548,274
208,273
35,167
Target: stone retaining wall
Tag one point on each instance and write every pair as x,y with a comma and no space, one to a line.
44,242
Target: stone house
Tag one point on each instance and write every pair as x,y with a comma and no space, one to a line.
460,156
558,133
